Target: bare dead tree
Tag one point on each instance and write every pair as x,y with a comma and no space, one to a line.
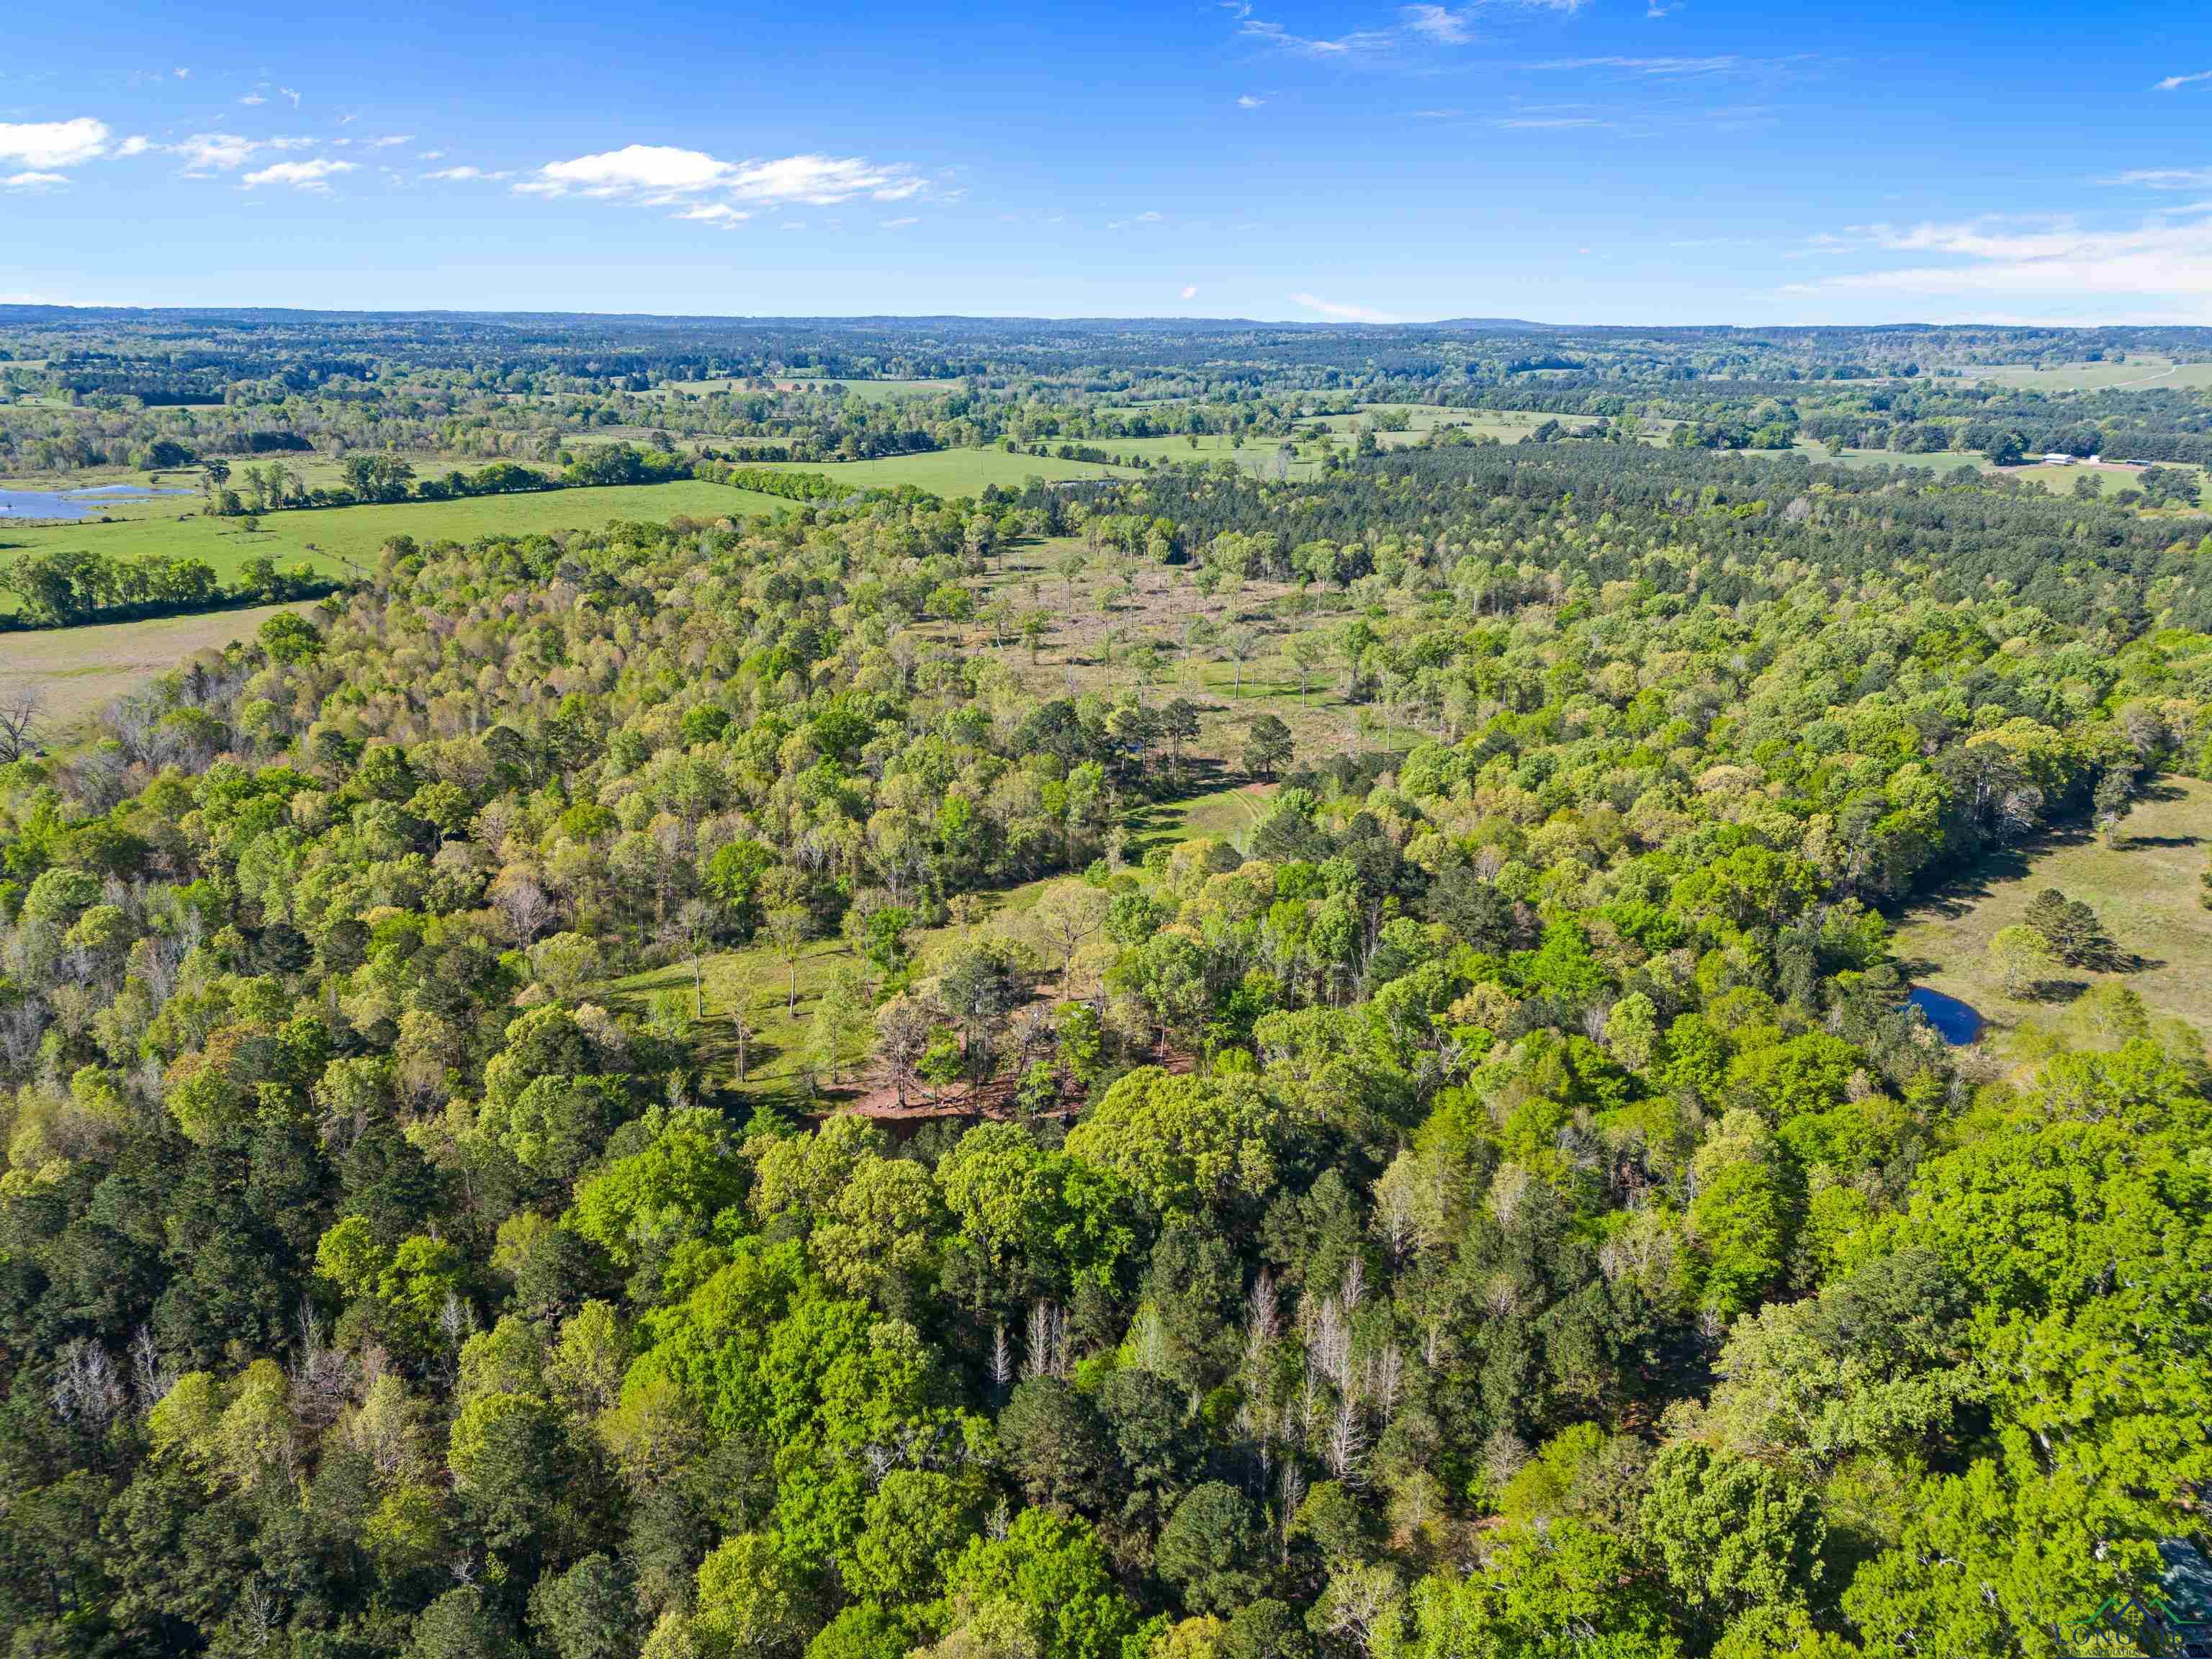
152,1378
87,1387
1347,1441
22,725
1292,1489
1047,1347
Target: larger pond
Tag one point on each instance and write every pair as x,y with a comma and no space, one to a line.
1956,1022
74,503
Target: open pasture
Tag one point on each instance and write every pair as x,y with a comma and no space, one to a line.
77,671
2144,891
335,539
949,472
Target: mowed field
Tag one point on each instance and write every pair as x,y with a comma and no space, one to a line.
949,472
2143,890
77,671
2137,372
2059,480
330,538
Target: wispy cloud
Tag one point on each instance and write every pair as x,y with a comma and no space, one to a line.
1440,23
253,101
713,213
2175,82
213,152
2163,178
389,141
47,146
1337,311
1248,102
1275,35
1147,217
287,92
1190,291
1672,69
34,180
1456,29
660,173
902,221
462,175
2167,257
300,175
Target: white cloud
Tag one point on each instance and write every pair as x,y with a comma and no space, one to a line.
714,213
136,144
1336,310
287,92
901,222
2175,82
295,143
2163,179
1147,217
1248,102
1440,23
300,175
430,156
213,152
1190,291
184,75
388,141
659,173
34,180
1344,45
46,145
2163,258
252,100
462,175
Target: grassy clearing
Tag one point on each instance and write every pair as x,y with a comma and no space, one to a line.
2146,373
779,999
949,472
2144,891
80,671
328,538
2110,479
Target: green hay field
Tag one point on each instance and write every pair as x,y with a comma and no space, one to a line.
328,538
2144,891
949,472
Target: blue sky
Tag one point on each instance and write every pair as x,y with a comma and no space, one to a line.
1571,161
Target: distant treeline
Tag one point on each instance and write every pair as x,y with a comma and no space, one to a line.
69,588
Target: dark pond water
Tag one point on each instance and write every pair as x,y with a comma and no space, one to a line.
1954,1022
74,503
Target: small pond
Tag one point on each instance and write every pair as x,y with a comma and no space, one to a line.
74,503
1954,1022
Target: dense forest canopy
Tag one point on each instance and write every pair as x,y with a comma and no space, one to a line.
1501,1203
